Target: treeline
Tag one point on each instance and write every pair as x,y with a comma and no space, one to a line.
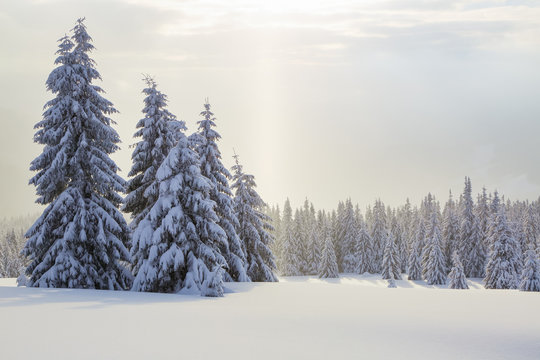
12,240
194,224
489,238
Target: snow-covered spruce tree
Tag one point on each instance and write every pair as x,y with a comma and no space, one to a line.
469,237
291,247
529,225
177,243
530,277
328,267
450,229
348,243
314,247
435,268
414,263
277,244
157,138
253,226
483,216
301,242
364,250
390,261
476,256
503,264
378,234
456,277
80,239
213,169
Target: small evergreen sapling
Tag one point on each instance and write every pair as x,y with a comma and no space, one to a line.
456,277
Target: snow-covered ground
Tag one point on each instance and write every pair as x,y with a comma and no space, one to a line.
355,317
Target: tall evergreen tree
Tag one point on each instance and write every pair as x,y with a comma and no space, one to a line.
470,241
450,229
291,258
177,243
364,250
456,277
414,267
253,227
435,269
348,244
80,239
157,137
300,242
213,169
503,264
530,277
378,233
328,266
390,261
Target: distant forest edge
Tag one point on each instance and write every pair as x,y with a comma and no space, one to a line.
490,238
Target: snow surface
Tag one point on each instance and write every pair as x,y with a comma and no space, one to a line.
354,317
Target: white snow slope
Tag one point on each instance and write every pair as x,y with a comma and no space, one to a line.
355,317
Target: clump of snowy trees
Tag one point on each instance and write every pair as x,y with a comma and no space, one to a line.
191,230
492,239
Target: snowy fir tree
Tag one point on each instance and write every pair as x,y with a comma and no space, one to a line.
364,250
476,256
450,229
378,234
80,239
328,267
390,261
291,245
213,169
469,236
414,263
157,137
530,229
435,268
503,264
177,243
482,213
530,277
253,226
314,244
456,277
300,242
348,244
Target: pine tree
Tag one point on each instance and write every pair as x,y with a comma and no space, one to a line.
300,243
291,257
80,239
328,266
364,250
178,241
435,269
414,268
390,261
530,277
213,169
253,227
157,138
348,243
469,236
450,230
503,263
314,256
456,277
378,234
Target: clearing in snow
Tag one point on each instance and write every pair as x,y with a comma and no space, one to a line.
353,317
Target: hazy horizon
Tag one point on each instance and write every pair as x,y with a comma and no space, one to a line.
321,99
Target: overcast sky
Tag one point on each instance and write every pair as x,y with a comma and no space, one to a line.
324,99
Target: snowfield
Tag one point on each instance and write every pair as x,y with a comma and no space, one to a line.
354,317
